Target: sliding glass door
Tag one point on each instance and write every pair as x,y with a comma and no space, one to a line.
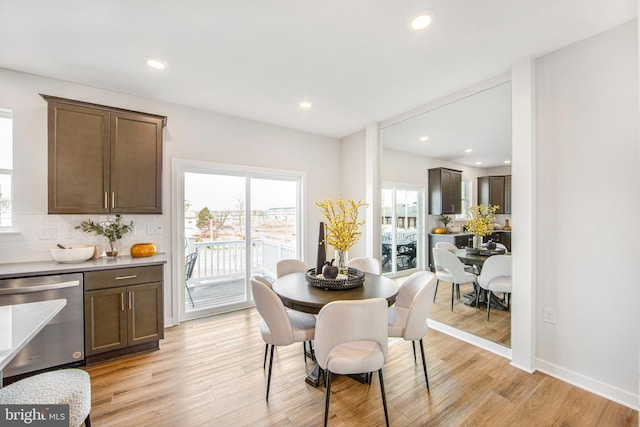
401,230
236,224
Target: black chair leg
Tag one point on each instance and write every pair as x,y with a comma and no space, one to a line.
270,367
453,292
424,363
327,386
266,349
413,344
190,297
476,287
436,291
87,421
384,398
488,304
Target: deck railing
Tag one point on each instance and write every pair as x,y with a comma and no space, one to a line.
226,260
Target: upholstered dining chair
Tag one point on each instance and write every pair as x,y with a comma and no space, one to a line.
351,338
408,316
288,266
366,264
450,269
495,277
279,326
62,387
266,282
452,248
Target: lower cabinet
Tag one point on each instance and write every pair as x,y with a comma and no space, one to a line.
122,311
460,240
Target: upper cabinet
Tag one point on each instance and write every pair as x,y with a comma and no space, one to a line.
445,191
495,190
103,159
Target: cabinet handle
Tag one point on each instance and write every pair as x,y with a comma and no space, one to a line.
133,276
122,301
130,300
113,200
106,202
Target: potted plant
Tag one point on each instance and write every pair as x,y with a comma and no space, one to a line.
112,230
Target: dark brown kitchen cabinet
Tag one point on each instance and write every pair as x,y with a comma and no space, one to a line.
123,311
445,191
495,190
103,159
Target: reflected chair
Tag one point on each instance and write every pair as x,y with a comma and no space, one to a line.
366,264
279,326
351,338
495,277
62,387
288,266
452,248
189,263
502,246
450,269
408,316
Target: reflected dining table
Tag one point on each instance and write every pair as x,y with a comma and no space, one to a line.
297,294
478,261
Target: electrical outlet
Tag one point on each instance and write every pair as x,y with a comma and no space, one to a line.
549,315
154,230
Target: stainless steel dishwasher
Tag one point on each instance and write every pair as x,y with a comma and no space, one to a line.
61,342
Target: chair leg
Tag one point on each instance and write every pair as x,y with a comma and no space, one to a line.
190,297
424,363
327,386
488,304
413,344
270,367
477,289
453,291
266,349
87,421
384,398
436,291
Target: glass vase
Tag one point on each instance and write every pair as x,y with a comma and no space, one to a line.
342,259
112,248
477,242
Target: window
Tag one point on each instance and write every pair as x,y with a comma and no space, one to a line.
6,166
467,196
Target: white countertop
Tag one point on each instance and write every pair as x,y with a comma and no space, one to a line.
39,268
19,323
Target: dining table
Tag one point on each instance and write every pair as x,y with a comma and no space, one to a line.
478,261
297,294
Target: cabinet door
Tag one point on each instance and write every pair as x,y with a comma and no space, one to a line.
105,320
145,315
507,194
451,182
456,193
136,169
496,192
79,159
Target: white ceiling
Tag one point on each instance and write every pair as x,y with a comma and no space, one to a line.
355,60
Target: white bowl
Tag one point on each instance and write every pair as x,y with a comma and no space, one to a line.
73,253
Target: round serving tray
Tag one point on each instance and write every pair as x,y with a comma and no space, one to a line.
484,252
353,280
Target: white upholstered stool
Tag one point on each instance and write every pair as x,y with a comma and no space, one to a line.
65,386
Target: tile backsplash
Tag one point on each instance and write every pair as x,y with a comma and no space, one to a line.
34,235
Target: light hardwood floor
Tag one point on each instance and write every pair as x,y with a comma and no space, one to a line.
208,372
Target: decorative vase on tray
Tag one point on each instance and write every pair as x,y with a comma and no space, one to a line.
480,222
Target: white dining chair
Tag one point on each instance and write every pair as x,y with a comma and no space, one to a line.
450,269
288,266
365,264
279,326
452,248
408,316
495,277
351,338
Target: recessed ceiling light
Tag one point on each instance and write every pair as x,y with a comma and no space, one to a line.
507,162
468,150
421,20
424,138
156,63
478,163
305,105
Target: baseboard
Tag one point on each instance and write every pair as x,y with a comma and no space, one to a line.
484,344
607,391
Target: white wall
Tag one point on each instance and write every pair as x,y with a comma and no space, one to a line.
353,184
587,213
190,134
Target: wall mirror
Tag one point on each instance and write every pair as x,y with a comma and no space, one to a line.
470,132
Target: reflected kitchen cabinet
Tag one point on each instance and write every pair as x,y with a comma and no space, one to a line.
445,191
103,159
495,190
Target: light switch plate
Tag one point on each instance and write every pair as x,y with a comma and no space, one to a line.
154,230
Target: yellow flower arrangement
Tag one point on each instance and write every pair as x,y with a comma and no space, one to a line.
342,228
480,219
